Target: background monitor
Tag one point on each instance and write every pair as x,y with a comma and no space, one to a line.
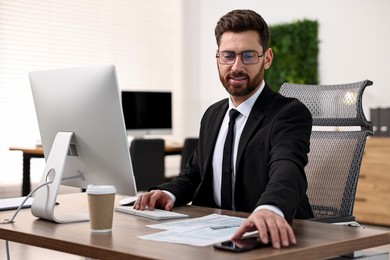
83,133
147,112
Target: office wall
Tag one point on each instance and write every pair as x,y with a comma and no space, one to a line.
353,34
354,42
142,38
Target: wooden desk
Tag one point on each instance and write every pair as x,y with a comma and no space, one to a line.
37,152
314,240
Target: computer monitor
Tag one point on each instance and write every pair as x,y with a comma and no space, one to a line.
147,112
83,134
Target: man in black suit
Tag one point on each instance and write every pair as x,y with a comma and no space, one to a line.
271,142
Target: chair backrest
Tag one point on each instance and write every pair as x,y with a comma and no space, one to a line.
147,157
336,150
189,147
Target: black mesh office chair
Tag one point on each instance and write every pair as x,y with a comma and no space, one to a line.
189,147
147,157
335,150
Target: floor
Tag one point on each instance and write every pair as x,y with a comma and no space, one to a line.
23,252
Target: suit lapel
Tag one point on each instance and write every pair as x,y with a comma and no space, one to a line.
255,118
212,133
204,194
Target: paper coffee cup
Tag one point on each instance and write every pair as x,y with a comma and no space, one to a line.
101,207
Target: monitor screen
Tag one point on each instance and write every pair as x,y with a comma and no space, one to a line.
147,112
79,113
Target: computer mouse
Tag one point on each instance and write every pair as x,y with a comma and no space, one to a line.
128,201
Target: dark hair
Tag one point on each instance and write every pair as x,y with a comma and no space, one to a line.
241,21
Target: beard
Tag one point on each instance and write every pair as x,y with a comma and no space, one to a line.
241,89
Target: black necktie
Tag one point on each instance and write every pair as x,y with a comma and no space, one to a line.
227,166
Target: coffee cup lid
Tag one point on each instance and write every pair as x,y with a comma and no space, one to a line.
101,189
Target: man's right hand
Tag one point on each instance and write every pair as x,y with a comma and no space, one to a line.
154,199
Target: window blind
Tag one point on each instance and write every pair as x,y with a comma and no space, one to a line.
141,38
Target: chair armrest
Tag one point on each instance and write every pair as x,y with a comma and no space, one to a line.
336,219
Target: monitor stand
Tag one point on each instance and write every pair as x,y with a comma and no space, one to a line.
44,202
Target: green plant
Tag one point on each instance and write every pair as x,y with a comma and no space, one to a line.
295,48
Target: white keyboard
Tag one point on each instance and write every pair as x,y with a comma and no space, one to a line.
156,214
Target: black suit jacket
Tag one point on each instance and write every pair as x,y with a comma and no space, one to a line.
272,154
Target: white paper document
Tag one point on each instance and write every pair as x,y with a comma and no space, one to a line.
14,203
202,231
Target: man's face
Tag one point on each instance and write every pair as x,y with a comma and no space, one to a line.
240,80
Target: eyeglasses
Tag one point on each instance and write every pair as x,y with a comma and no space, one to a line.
247,57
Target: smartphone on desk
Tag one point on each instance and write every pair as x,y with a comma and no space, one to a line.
241,245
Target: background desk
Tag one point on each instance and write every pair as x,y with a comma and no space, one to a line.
372,203
314,240
37,152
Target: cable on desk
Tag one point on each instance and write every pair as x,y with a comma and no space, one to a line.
12,220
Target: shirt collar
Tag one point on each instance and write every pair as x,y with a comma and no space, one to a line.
245,107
